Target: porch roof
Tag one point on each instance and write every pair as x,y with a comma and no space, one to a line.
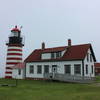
19,65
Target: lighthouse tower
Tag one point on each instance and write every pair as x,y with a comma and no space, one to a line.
14,51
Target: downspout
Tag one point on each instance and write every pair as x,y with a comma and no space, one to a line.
83,68
25,71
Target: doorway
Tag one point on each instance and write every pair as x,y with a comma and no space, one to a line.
54,70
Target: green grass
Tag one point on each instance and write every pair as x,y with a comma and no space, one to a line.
44,90
97,78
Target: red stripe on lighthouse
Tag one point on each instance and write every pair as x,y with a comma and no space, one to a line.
14,54
8,68
15,45
9,63
8,72
8,76
14,58
14,49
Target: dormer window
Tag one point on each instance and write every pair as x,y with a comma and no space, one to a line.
52,55
55,55
58,54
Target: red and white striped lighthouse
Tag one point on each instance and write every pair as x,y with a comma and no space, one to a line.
14,51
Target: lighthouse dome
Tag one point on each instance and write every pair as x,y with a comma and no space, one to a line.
15,29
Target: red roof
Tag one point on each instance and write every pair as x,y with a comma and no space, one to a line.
74,52
16,29
97,64
56,49
19,65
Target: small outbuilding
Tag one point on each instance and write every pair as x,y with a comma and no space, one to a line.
18,71
97,68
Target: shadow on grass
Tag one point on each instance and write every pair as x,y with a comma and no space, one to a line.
8,82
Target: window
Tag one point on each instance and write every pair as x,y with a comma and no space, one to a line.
31,69
90,57
77,69
55,54
39,69
67,69
92,69
87,56
86,69
52,55
46,68
19,71
58,54
54,68
14,34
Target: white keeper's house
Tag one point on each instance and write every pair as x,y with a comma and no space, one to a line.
65,63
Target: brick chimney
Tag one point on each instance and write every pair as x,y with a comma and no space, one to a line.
69,42
43,45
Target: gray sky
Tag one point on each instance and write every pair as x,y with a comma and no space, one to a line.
51,21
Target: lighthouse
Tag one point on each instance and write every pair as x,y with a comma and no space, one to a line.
14,51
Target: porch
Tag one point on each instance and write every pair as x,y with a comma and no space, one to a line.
68,78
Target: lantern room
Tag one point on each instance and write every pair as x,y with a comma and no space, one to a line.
15,32
15,37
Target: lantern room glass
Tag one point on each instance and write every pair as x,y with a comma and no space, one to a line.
14,34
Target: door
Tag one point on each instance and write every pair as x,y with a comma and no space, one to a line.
54,70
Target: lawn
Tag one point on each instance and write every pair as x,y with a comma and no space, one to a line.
47,90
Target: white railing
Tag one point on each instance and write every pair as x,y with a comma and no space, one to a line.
66,77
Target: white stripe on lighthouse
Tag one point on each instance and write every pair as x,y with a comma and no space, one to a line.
14,47
8,74
14,61
14,56
10,65
14,52
8,70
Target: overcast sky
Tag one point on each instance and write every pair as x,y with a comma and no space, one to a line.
50,21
